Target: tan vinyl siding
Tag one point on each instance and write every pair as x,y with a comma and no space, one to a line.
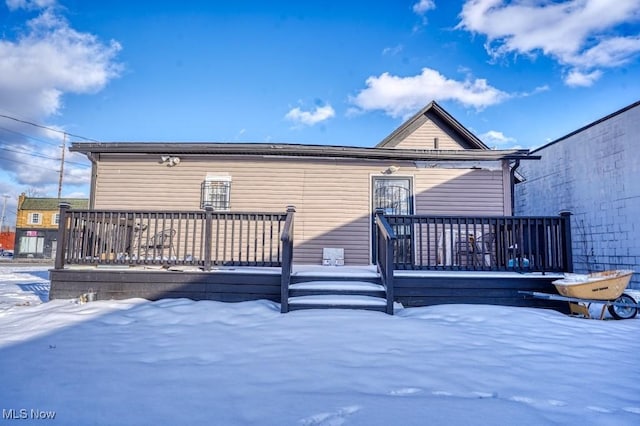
423,138
459,192
455,192
332,197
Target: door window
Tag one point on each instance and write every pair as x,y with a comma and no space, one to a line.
393,195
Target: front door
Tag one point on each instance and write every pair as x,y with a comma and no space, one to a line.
393,195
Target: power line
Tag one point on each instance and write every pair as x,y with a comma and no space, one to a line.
28,164
33,154
63,146
47,128
27,136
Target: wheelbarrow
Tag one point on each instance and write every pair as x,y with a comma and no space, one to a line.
605,287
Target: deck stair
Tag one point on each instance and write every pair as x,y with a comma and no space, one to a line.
337,293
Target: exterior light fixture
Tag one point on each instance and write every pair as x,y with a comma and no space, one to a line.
169,160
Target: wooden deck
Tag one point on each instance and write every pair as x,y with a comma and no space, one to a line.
229,284
233,257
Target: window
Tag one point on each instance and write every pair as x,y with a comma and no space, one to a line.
34,218
216,192
55,218
31,244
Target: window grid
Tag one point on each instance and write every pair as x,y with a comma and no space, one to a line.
34,218
216,194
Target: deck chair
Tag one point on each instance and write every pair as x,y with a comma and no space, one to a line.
486,246
466,251
161,241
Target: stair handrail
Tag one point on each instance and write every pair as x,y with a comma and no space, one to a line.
385,255
287,259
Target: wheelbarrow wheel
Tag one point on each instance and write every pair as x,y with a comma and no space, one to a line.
624,312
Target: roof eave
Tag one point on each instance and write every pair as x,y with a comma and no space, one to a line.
322,151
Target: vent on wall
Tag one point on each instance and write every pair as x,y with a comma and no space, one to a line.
333,256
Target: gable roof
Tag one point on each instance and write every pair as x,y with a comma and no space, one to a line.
53,203
474,148
441,117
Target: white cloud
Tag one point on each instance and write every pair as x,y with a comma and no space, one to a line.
494,137
400,96
423,6
49,60
577,78
539,89
392,50
78,194
45,61
309,118
29,4
580,34
240,134
40,166
611,52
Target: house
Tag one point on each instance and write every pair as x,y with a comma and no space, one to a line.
429,197
37,222
430,165
592,172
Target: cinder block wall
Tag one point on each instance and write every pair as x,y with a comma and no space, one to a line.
595,174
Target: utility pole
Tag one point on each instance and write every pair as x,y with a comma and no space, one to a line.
4,209
63,146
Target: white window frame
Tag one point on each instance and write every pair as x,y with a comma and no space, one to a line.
55,218
31,245
35,218
216,192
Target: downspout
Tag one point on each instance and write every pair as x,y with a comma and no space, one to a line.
512,181
94,178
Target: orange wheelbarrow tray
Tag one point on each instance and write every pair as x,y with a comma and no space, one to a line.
605,287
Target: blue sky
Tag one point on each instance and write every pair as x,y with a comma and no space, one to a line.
516,73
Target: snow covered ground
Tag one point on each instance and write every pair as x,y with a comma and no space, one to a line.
183,362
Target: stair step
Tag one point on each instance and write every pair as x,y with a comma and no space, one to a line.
333,299
337,302
330,293
337,286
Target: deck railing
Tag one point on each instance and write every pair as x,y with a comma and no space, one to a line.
386,243
287,259
199,238
207,239
504,243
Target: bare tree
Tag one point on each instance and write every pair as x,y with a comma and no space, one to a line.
33,192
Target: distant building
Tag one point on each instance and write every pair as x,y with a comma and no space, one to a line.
37,225
7,239
592,172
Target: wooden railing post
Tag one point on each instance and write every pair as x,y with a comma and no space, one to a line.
389,275
61,244
567,249
376,234
208,230
287,259
385,256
